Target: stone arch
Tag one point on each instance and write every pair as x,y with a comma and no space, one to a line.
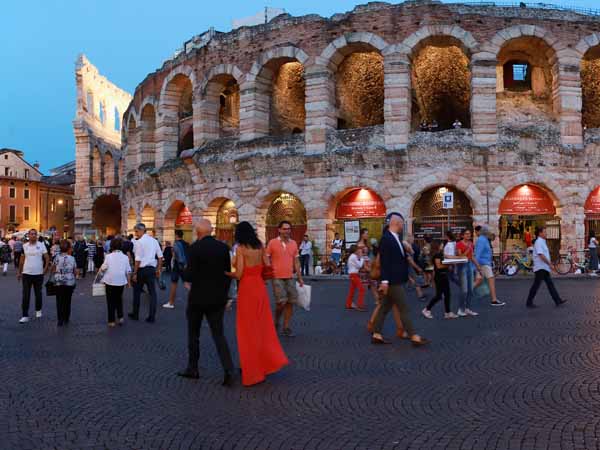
589,53
164,98
264,198
148,216
132,143
333,54
222,211
106,214
132,219
109,169
411,44
341,187
147,134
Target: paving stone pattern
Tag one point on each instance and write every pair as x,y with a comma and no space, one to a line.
510,379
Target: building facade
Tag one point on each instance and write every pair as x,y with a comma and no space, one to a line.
331,122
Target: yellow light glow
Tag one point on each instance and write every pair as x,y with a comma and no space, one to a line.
60,201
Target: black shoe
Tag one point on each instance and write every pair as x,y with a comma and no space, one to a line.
287,332
150,320
132,316
191,374
227,379
531,306
378,341
562,302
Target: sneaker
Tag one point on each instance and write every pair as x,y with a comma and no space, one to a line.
461,313
24,319
287,332
426,313
497,303
168,306
450,315
470,312
38,314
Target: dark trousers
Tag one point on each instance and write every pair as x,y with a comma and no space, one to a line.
442,288
304,262
63,302
28,281
195,315
17,259
145,276
543,275
395,296
114,302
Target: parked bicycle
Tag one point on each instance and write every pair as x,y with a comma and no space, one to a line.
518,261
572,263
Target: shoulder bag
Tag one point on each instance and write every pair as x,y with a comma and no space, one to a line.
98,288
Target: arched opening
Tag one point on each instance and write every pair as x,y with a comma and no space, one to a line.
522,210
178,217
590,88
227,219
131,153
356,209
187,140
117,120
148,125
178,106
222,113
89,100
131,220
525,82
432,219
106,215
96,167
102,112
109,170
148,218
286,206
441,80
359,87
592,214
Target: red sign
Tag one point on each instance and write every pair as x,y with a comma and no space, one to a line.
592,204
360,204
526,200
184,217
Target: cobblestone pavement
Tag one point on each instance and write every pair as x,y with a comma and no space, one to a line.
510,379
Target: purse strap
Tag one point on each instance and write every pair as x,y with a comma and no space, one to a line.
96,277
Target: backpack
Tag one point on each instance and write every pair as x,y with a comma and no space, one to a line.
182,265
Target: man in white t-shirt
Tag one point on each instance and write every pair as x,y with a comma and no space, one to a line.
336,249
542,269
32,267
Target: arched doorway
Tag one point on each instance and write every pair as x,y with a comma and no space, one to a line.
106,215
148,217
227,218
431,218
592,213
359,208
131,220
286,206
522,209
178,217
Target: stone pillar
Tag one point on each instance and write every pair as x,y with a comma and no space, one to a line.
397,103
483,99
255,106
320,107
206,128
166,138
568,103
316,228
499,79
83,202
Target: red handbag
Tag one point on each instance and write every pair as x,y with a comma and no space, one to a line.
267,273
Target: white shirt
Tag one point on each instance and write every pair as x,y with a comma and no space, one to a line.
354,263
540,248
306,248
450,248
115,267
336,246
593,243
146,251
34,258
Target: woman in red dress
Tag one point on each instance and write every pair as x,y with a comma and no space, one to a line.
258,345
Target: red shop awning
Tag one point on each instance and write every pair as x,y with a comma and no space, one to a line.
360,204
527,200
592,204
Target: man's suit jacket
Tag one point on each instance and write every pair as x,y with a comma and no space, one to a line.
394,262
208,260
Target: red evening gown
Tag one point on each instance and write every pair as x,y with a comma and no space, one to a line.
260,351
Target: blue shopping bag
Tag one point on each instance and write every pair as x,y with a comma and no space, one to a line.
483,290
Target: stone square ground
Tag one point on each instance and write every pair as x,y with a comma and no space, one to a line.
509,379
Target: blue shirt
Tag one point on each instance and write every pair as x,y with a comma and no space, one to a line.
483,251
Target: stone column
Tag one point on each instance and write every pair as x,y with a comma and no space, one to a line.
320,107
316,228
483,99
166,137
397,104
83,202
568,103
255,108
206,128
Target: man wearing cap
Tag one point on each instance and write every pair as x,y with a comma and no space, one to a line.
394,276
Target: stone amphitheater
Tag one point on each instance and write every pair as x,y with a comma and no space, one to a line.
327,122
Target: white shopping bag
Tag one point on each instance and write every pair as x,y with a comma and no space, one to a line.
303,296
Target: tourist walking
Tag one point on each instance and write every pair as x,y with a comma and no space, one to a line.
91,246
99,255
148,264
336,249
116,274
80,251
168,254
593,249
258,345
442,284
542,269
179,255
483,257
394,276
355,265
65,273
18,251
466,271
283,257
207,281
305,255
4,256
32,266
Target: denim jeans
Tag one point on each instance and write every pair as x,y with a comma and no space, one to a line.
465,275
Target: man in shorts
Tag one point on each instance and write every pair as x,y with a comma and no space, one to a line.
336,250
283,254
483,256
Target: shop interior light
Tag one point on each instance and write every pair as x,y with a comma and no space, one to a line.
60,201
443,190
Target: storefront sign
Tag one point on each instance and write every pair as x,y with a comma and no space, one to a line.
360,204
352,231
592,204
184,217
437,230
526,200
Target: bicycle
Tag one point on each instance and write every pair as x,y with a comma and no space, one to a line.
570,262
517,262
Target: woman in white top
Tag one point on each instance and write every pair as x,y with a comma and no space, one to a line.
355,264
116,272
593,248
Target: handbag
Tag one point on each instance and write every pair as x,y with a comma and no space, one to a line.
98,288
51,286
304,295
376,268
267,273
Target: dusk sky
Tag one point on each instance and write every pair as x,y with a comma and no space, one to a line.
40,41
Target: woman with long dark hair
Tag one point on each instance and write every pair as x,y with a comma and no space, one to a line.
258,345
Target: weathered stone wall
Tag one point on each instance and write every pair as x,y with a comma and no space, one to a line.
590,83
287,106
